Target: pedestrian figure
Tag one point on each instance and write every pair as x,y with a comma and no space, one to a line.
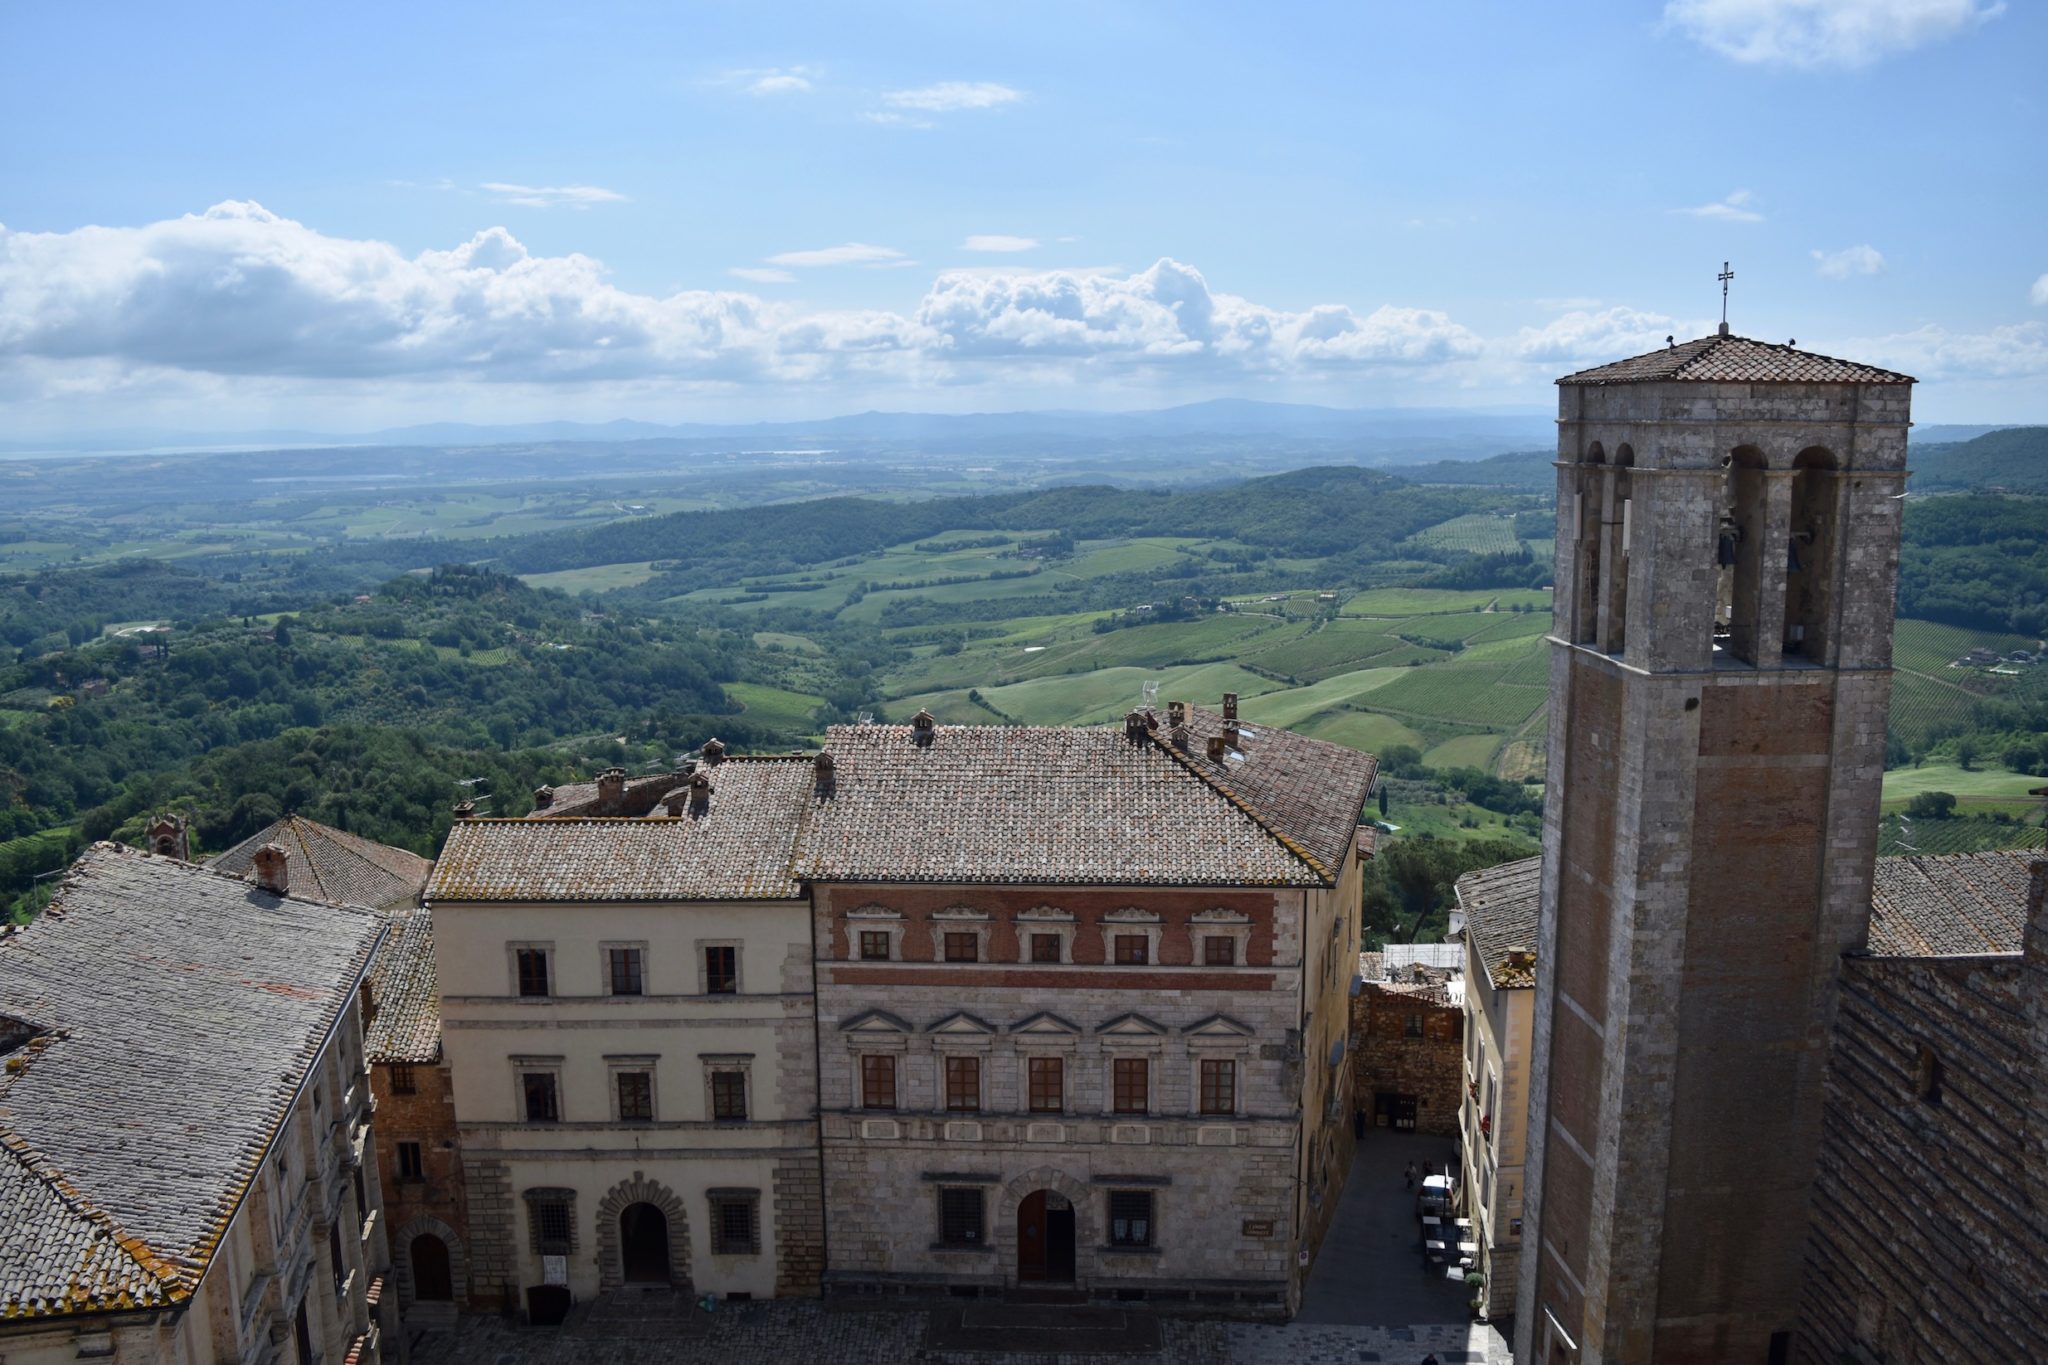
1409,1175
1429,1359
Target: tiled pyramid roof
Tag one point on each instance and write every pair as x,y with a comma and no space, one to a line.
332,864
1734,360
177,1012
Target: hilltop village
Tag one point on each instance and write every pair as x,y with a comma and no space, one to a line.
1080,1016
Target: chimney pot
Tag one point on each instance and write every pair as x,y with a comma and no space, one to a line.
1134,725
543,797
826,770
1230,706
464,809
273,869
924,727
714,750
1216,747
1177,712
674,802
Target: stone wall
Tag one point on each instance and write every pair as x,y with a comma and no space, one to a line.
1409,1040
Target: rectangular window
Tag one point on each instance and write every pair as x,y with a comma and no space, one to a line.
729,1095
874,945
1219,950
533,971
1048,1085
733,1226
1219,1086
625,970
550,1216
960,1217
539,1089
1130,1218
636,1096
1414,1026
878,1082
1045,947
412,1164
963,1084
402,1080
722,971
1129,1088
963,947
1131,950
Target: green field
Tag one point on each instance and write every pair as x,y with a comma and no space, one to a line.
773,705
1466,751
1935,837
1093,698
1978,784
1478,533
602,578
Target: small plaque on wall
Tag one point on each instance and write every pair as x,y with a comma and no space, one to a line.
554,1269
1258,1227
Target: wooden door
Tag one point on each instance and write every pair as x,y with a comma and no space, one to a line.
1031,1237
431,1280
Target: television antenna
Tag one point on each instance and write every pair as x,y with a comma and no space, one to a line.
1150,694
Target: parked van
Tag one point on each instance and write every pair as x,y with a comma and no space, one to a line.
1435,1196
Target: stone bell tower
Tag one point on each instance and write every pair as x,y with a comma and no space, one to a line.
1727,549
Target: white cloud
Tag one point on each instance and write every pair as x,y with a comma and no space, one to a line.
2016,351
998,241
889,120
552,196
1849,261
852,253
1609,334
2039,293
761,274
1734,209
951,96
1823,33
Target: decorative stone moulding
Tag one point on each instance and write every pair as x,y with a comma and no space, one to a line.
958,1131
1130,1132
1045,1132
879,1128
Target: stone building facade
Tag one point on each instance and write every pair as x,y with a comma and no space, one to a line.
627,1017
1082,1000
174,1203
1727,552
1407,1041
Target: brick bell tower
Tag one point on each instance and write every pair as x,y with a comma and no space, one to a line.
1727,549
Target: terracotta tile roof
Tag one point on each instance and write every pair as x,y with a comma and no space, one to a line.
178,1013
639,796
1734,360
342,866
737,847
1956,903
406,993
1370,966
1045,804
1502,905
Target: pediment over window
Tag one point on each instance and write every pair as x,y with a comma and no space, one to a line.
876,1021
873,912
1132,1025
960,912
1221,916
1218,1026
962,1022
1131,914
1046,1024
1042,914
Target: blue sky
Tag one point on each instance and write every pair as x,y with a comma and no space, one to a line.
262,215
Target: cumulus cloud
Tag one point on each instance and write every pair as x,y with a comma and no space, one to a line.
1584,334
1734,209
2039,293
2017,351
998,241
761,274
552,196
852,253
773,80
1808,34
951,96
1849,261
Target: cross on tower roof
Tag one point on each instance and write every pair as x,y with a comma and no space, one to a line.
1725,276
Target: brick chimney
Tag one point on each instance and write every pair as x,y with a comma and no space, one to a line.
1230,706
1176,713
464,809
1525,958
924,727
714,751
543,797
827,775
1134,726
677,799
1216,748
611,788
274,869
700,793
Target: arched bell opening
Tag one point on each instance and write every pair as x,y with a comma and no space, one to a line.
1810,555
1738,554
1589,494
1617,530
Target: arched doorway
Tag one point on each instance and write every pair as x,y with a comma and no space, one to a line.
643,1244
1045,1238
433,1281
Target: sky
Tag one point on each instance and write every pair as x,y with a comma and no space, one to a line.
244,216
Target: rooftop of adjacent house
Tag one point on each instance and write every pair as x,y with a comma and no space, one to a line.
610,793
1398,961
332,864
1726,359
1958,903
159,1019
733,838
1139,803
1501,906
405,994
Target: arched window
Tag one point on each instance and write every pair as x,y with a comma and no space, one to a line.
1738,554
1810,556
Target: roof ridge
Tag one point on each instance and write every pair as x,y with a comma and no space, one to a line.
1252,812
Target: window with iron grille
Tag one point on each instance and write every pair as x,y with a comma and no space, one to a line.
625,965
1048,1085
722,970
539,1089
403,1082
1129,1090
1219,950
1219,1086
1132,950
878,1081
728,1094
1130,1218
1045,947
960,1217
963,946
963,1084
412,1163
874,945
1414,1026
551,1221
636,1096
733,1225
533,971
